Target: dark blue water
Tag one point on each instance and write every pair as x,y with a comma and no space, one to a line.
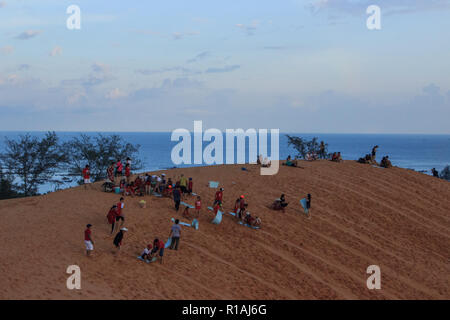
418,152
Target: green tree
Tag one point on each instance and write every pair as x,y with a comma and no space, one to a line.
98,152
303,146
32,161
6,187
445,173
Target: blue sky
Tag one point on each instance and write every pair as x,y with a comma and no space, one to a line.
300,66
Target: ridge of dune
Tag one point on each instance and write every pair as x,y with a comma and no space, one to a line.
395,218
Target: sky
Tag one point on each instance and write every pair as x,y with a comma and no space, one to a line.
294,65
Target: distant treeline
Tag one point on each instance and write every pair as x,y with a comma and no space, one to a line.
28,162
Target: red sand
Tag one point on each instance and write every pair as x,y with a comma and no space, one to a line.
361,215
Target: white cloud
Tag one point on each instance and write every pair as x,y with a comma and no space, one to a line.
7,50
115,94
56,51
28,34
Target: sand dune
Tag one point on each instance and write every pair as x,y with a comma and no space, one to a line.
361,215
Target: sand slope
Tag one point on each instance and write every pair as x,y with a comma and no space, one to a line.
395,218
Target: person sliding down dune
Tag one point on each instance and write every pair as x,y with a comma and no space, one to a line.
279,204
252,221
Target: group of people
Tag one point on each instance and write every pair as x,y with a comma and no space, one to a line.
336,157
263,162
114,217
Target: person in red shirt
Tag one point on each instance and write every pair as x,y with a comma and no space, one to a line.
242,206
219,197
198,205
158,245
88,240
128,172
119,168
110,172
111,216
86,176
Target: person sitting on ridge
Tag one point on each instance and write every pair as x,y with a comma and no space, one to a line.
435,173
289,162
385,162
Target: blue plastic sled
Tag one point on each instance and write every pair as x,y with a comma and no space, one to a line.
247,225
194,223
214,184
156,194
168,243
218,218
186,205
147,261
303,203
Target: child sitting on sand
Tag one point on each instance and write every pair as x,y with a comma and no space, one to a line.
145,255
252,221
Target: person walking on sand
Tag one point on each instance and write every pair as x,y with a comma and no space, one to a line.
120,212
219,197
86,176
308,205
175,233
118,239
88,240
176,197
111,216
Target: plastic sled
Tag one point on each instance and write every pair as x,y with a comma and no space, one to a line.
143,260
247,225
303,203
218,218
168,243
186,205
194,223
214,184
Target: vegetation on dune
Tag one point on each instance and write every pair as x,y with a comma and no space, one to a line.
304,146
29,162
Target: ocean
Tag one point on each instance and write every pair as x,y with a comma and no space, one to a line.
412,151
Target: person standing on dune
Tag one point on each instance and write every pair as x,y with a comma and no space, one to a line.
176,196
86,176
219,197
88,240
175,233
118,239
308,205
120,212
